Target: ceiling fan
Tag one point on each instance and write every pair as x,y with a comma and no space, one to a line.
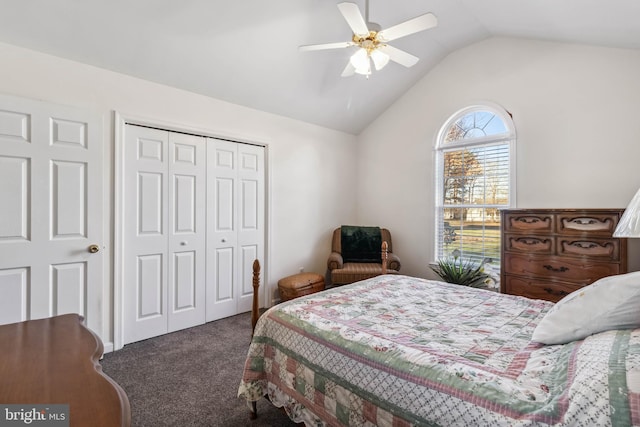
372,41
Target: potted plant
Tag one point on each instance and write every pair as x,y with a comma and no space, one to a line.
454,269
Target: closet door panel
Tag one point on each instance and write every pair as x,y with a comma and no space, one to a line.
224,215
145,233
249,254
185,201
184,267
222,235
150,204
249,205
251,177
149,288
187,236
225,273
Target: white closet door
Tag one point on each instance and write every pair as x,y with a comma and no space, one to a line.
251,216
235,206
222,235
164,243
187,233
145,233
50,212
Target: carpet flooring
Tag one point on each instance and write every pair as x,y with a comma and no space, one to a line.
190,378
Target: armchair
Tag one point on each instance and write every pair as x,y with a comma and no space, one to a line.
353,265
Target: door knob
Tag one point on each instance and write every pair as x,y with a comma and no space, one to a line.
224,240
94,248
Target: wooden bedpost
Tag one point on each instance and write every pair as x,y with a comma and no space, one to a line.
255,308
385,250
255,314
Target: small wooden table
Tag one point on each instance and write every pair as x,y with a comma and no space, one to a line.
55,361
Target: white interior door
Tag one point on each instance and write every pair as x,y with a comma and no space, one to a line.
50,212
164,232
235,224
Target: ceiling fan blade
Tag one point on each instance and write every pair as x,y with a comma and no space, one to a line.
325,46
349,70
399,56
354,18
420,23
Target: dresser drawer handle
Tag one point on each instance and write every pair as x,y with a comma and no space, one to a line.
583,221
528,220
587,223
583,245
557,270
557,293
530,241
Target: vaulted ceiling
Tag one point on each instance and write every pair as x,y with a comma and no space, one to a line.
246,52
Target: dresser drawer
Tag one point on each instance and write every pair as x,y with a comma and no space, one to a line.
529,222
529,244
539,288
581,223
583,271
605,249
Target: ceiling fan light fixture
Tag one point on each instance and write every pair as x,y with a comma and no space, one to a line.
361,63
380,59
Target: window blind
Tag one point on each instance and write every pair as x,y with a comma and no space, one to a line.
474,184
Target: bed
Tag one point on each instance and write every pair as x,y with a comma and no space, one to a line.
399,351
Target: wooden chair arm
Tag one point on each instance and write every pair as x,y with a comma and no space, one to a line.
334,261
384,255
393,261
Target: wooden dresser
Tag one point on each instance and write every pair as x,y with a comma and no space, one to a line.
549,253
55,361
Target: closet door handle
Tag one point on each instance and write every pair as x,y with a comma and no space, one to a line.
224,240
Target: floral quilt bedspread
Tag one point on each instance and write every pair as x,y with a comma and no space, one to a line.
400,351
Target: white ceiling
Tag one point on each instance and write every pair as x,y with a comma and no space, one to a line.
245,52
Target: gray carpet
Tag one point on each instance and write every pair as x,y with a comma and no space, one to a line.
190,378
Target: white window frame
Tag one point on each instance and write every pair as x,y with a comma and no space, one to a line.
441,147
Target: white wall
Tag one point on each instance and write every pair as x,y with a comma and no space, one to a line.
576,114
312,180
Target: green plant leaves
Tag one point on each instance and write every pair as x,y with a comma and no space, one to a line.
462,272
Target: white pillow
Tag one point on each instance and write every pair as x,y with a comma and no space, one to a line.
612,302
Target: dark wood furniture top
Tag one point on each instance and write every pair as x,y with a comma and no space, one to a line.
549,253
55,361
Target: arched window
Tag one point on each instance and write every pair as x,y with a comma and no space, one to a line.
475,178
